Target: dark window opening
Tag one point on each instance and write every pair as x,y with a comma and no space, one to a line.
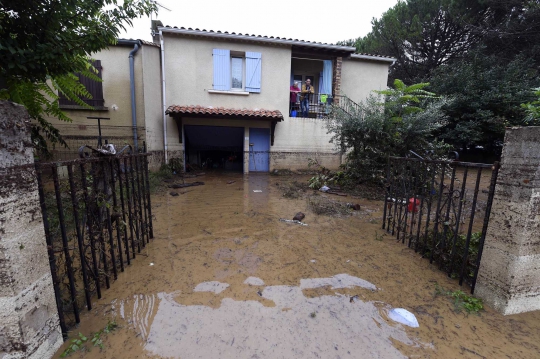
95,89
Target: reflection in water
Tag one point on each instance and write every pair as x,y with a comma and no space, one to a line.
329,326
139,311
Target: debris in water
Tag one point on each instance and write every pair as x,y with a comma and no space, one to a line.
174,194
292,221
354,298
299,216
337,193
403,316
186,185
356,206
257,190
259,293
231,182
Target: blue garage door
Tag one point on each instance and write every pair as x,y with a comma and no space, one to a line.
259,156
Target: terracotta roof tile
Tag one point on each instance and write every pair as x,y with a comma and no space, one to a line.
221,111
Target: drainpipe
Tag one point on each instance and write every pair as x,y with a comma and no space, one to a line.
163,99
132,87
136,45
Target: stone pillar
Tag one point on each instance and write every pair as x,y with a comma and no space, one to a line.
509,274
29,324
336,86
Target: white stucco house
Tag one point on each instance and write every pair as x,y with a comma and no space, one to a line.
222,100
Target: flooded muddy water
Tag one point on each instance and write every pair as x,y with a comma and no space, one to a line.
224,278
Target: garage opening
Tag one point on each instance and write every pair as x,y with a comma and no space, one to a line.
214,147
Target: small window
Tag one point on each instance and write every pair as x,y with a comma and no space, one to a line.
237,73
236,70
95,88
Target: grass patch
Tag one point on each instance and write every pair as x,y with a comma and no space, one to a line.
156,178
325,206
461,301
80,343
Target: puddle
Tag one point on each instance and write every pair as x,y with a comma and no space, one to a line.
213,287
297,326
231,281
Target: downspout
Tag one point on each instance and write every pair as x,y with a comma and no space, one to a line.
163,99
132,88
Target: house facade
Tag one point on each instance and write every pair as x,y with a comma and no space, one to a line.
223,100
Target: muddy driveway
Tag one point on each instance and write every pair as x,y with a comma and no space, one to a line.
224,278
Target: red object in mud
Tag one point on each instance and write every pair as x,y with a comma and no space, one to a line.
413,204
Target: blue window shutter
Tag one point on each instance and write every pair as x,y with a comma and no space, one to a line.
253,71
222,69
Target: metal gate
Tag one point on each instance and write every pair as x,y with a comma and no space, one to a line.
441,209
97,216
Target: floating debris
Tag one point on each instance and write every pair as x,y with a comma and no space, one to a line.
292,221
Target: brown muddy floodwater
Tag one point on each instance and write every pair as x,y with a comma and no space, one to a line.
224,278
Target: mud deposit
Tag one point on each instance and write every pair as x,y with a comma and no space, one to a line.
224,278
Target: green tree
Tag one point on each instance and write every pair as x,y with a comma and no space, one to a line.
487,96
483,54
423,34
43,42
532,109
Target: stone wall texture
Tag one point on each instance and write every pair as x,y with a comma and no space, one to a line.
509,275
28,312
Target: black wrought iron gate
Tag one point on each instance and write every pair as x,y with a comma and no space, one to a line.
97,216
441,209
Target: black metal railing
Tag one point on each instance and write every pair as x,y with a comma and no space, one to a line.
97,216
314,105
441,209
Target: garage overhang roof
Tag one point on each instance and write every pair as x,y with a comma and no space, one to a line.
221,112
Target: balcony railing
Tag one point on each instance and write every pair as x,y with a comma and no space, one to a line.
312,105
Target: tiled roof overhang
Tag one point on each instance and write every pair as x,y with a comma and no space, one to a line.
221,112
229,113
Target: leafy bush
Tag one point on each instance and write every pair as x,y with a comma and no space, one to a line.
376,129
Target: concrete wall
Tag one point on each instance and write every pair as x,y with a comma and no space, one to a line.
509,274
360,77
28,312
299,139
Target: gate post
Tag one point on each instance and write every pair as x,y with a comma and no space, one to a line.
509,274
29,325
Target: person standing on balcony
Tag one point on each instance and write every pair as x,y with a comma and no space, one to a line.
307,91
295,89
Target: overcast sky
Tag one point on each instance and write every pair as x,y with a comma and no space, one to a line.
313,20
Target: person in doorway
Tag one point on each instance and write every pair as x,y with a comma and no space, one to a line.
307,91
295,89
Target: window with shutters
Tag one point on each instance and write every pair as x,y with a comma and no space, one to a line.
237,71
95,88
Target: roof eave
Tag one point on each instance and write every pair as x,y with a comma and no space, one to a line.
257,39
373,58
